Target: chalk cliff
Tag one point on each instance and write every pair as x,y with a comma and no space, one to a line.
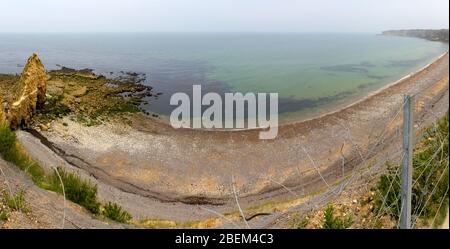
29,94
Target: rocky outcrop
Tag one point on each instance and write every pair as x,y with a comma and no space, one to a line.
29,93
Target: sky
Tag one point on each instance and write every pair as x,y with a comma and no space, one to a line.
221,15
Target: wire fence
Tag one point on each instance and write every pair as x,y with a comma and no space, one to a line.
367,164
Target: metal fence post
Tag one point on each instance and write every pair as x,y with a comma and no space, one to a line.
407,167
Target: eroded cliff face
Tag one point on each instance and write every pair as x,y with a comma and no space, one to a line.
28,94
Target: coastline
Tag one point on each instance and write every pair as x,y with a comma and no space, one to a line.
163,119
156,151
147,167
371,94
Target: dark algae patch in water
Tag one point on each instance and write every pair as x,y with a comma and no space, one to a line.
350,68
89,98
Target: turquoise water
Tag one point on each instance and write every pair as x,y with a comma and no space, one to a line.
311,72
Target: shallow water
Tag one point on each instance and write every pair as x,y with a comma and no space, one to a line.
311,72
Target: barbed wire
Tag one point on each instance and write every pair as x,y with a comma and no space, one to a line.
341,187
380,138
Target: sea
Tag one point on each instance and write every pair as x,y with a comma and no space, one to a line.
312,73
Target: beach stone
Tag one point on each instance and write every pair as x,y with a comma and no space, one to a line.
80,92
56,83
68,100
43,127
55,91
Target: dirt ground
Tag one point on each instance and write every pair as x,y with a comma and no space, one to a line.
445,225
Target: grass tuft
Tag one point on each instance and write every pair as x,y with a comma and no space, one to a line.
3,215
12,152
16,202
332,222
76,190
114,212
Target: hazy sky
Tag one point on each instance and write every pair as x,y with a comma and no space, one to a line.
221,15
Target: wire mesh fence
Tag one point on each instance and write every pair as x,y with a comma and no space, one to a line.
367,162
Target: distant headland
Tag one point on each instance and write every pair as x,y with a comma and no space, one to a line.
429,34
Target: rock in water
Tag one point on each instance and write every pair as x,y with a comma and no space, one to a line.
30,93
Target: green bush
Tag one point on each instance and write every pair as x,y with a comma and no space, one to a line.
114,212
388,191
7,141
3,215
76,190
332,222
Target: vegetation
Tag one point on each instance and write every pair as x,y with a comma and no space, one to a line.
91,99
302,224
333,222
8,83
3,215
7,140
11,152
116,213
16,202
76,190
430,179
329,220
168,224
53,109
381,207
